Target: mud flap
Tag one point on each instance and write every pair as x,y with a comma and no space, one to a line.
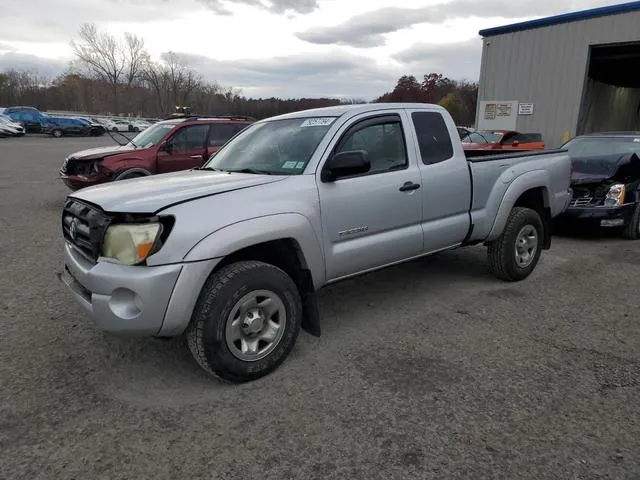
547,224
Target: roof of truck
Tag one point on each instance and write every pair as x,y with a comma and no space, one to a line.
339,110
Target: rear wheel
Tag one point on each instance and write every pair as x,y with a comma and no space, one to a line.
515,253
631,230
246,321
56,133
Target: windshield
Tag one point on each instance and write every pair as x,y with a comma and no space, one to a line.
280,147
598,146
152,135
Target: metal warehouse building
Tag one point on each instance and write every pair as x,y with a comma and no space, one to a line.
564,75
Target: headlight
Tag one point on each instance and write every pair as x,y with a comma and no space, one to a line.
130,243
615,195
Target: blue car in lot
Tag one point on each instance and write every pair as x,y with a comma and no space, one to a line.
35,121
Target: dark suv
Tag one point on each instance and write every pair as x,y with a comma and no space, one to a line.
167,146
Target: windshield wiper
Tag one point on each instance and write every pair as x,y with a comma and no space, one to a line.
255,171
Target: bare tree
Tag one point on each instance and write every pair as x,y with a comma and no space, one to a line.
109,59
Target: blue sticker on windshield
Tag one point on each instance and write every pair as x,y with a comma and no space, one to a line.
289,165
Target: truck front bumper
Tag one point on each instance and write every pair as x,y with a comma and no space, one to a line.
135,300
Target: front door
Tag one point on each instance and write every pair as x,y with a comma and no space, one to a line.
185,149
373,219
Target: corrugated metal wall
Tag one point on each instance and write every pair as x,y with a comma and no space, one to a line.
547,66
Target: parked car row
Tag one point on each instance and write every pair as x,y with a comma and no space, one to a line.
32,120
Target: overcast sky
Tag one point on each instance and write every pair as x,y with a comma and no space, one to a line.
285,48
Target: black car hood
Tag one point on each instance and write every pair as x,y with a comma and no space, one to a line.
594,169
100,152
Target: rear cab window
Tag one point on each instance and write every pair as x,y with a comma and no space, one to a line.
433,137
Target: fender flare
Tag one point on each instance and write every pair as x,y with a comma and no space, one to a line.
121,175
522,183
246,233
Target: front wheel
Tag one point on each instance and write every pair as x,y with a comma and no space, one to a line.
245,322
515,253
57,133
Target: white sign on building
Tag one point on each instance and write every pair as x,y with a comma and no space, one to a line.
525,109
498,115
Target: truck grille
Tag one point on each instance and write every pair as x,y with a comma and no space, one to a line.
83,226
584,197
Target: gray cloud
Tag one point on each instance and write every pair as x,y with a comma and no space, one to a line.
59,20
460,61
275,6
45,67
335,74
368,29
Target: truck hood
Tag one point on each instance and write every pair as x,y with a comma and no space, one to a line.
595,169
100,152
149,195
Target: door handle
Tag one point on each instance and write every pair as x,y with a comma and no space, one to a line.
409,186
197,157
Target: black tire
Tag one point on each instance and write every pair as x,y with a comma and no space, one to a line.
56,133
114,129
206,333
631,230
502,251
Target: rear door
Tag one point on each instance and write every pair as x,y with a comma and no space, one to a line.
445,178
185,149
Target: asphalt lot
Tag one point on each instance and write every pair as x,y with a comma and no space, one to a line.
431,369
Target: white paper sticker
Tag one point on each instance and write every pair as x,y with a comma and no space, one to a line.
299,165
289,165
318,122
637,140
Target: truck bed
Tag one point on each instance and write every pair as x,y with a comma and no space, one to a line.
492,175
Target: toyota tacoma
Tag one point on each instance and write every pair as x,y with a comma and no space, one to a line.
232,253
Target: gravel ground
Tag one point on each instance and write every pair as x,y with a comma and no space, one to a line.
431,369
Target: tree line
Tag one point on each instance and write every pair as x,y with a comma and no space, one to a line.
116,76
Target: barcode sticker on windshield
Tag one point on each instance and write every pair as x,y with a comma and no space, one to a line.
318,122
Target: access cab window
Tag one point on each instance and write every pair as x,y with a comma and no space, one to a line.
382,139
433,137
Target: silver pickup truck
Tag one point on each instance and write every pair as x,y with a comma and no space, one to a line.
232,253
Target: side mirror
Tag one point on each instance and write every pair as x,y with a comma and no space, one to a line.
344,164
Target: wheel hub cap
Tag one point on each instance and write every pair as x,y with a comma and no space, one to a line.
253,322
526,246
255,325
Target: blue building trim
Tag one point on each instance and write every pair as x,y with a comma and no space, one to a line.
564,18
